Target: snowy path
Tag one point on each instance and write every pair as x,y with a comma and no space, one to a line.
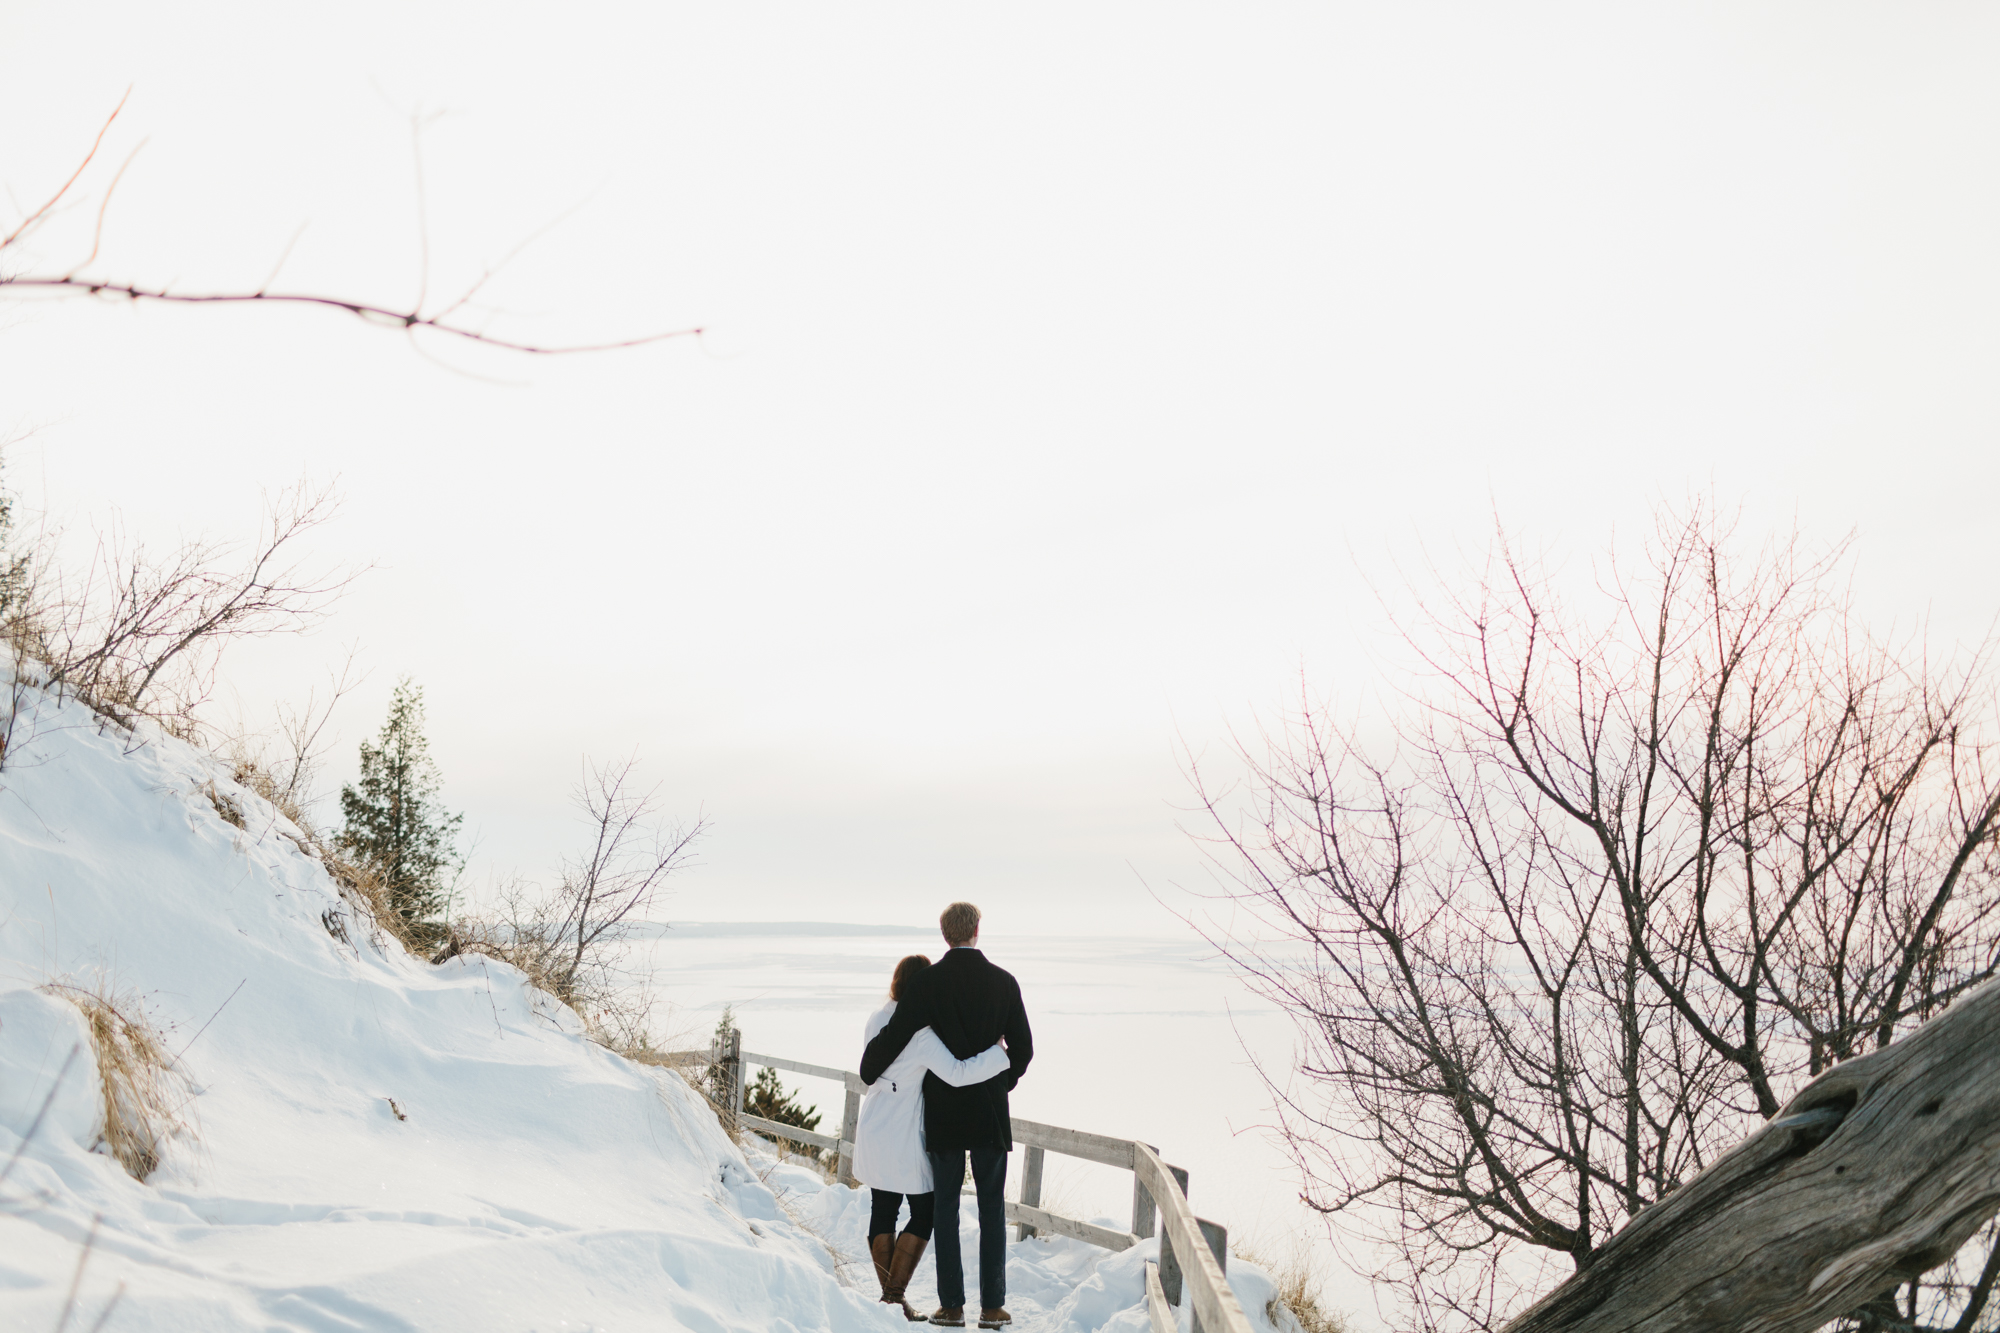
374,1143
1054,1284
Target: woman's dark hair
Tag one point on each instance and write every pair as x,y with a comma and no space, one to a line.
905,970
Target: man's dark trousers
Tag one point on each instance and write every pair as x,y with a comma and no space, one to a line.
989,1179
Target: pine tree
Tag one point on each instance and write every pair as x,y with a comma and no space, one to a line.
395,824
769,1099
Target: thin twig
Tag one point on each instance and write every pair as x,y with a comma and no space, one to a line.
36,216
287,254
495,269
36,1123
372,314
109,1306
97,236
211,1018
76,1280
423,210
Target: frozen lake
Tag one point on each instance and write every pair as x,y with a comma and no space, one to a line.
1135,1037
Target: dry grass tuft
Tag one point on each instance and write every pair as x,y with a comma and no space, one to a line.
282,785
252,773
1296,1307
368,895
617,1010
144,1093
227,807
518,944
628,1033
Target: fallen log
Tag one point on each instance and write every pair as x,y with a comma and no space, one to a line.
1880,1169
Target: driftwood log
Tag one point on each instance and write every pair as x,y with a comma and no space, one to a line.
1877,1171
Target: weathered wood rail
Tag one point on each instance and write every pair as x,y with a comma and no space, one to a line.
1876,1172
1194,1252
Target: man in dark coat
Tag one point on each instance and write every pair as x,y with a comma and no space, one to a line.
970,1004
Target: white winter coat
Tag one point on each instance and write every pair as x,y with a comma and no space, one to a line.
889,1138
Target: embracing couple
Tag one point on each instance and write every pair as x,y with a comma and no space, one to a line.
942,1056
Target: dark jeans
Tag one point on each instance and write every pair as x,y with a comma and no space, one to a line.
882,1214
989,1178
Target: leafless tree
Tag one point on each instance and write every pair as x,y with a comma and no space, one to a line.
1632,869
138,635
571,941
616,881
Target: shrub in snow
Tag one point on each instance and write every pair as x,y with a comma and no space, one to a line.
142,1091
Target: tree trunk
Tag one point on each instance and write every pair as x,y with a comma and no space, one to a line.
1879,1170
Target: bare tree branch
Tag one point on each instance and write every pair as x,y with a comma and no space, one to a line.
412,319
380,315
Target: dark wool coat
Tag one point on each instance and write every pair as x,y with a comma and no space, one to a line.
970,1004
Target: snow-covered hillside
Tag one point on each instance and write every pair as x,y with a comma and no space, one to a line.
375,1143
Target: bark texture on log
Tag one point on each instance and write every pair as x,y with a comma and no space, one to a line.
1880,1169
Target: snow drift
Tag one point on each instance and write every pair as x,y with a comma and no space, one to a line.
372,1142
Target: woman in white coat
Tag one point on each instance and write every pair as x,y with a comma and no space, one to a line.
889,1152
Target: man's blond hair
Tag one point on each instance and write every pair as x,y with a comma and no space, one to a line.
960,924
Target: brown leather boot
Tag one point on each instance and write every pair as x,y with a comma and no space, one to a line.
949,1316
902,1264
878,1250
994,1317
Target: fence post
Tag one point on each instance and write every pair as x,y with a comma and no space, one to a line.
1170,1265
1142,1206
1031,1186
732,1074
1217,1237
717,1075
850,1121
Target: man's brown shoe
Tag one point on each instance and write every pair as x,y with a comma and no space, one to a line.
949,1317
990,1318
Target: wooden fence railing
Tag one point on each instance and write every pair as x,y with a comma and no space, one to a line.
1194,1252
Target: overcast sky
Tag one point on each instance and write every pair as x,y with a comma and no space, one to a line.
1070,372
